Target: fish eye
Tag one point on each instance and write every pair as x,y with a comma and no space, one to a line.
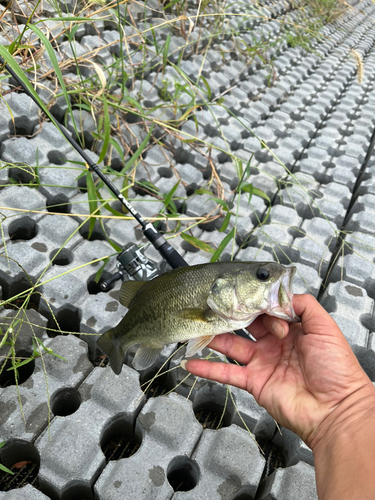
263,274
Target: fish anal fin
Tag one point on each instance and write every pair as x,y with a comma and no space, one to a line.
198,344
114,352
145,356
128,291
194,314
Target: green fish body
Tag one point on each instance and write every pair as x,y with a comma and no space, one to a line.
196,303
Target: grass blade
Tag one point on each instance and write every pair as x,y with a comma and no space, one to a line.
197,243
93,202
222,245
56,67
169,196
165,51
139,151
107,130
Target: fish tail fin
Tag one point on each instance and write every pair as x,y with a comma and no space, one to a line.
108,345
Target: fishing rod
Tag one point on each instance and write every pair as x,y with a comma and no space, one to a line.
131,260
168,253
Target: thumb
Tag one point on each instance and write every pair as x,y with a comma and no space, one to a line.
314,318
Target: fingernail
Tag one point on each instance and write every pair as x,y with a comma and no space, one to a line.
278,330
183,364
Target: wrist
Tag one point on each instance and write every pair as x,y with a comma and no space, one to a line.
351,415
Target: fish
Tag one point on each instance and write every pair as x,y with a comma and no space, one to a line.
196,303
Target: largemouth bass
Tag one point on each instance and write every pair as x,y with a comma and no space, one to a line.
196,303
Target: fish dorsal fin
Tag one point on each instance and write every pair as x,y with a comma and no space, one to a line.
145,356
193,314
198,344
128,291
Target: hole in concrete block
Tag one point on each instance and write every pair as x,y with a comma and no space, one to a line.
165,172
59,203
7,377
274,457
24,228
22,125
188,247
82,184
213,408
17,285
78,492
97,233
23,459
183,155
94,288
132,118
161,385
63,257
68,319
65,401
119,439
57,158
183,473
22,175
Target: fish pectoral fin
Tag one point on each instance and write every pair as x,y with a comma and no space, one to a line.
194,314
115,353
128,291
145,356
198,344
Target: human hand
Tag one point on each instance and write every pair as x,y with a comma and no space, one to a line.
298,372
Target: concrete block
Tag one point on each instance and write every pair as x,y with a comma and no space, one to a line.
85,125
299,194
306,279
100,312
230,462
250,416
356,268
251,253
35,255
27,491
21,150
24,111
25,327
317,154
354,306
315,249
68,371
191,178
297,481
63,295
200,205
49,138
264,182
17,203
167,427
71,448
214,239
57,105
276,239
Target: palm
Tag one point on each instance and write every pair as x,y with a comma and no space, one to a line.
298,379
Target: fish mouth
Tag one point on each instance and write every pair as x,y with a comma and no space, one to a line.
281,297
